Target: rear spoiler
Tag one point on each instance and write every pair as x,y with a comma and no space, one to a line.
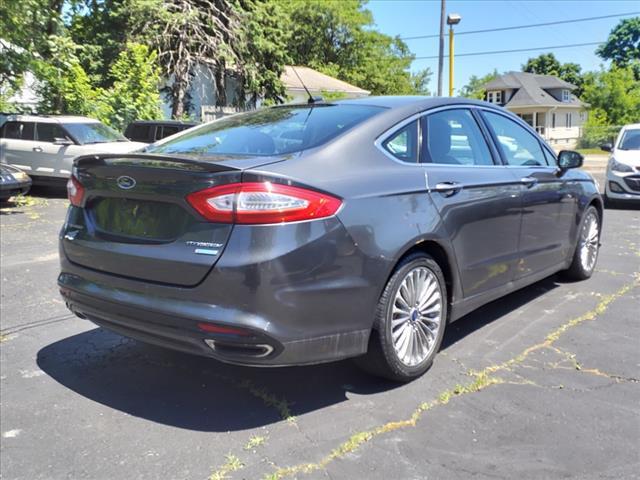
150,160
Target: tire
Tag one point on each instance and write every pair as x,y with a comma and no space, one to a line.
588,243
418,330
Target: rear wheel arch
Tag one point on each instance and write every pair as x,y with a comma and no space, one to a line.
443,258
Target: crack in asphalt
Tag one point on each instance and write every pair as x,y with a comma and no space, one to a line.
482,379
35,324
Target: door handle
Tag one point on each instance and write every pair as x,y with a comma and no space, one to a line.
448,189
529,181
37,149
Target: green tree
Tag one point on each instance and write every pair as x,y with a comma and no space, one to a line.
64,86
548,64
134,94
339,39
475,87
623,44
25,26
263,36
616,92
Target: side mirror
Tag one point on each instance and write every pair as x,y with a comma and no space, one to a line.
607,147
62,141
569,159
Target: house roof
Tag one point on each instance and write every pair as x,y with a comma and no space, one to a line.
531,89
316,81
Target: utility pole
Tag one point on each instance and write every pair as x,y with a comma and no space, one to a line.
441,49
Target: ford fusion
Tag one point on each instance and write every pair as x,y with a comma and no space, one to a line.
310,233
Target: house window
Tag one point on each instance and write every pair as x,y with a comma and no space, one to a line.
582,116
494,97
568,120
566,97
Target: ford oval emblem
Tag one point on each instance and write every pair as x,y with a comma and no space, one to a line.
125,182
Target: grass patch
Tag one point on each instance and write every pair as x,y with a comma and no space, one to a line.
232,464
255,441
592,151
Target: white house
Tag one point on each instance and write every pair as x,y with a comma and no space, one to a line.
202,92
543,101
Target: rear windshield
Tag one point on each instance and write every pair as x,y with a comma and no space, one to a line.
272,131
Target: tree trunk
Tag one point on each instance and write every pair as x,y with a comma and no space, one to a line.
178,91
221,91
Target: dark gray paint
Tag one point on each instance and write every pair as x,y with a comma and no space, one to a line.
310,288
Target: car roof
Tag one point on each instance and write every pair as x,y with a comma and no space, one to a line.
631,126
51,119
422,102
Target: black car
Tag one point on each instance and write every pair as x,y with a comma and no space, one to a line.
150,131
302,234
13,181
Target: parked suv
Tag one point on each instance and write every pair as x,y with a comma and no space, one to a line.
302,234
623,169
149,131
45,146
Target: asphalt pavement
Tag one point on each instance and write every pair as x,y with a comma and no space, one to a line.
543,383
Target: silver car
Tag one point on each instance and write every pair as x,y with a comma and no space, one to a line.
45,146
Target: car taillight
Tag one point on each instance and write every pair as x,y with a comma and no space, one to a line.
75,191
262,202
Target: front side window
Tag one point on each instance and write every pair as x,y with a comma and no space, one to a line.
18,130
94,132
404,143
519,147
48,132
272,131
453,137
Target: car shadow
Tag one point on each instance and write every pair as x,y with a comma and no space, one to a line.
201,394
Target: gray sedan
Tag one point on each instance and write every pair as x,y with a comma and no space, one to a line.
310,233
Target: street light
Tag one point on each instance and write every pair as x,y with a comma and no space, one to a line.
452,19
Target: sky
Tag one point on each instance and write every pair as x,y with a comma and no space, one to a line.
408,18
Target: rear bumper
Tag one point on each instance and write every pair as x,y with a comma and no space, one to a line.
319,311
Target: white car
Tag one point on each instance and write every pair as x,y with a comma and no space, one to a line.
623,169
45,146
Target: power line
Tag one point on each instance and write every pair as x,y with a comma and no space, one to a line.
473,54
501,29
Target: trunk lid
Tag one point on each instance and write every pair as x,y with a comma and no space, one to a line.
136,223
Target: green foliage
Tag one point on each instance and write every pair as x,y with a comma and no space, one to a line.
64,86
475,87
134,94
264,35
548,64
616,93
338,39
614,99
623,45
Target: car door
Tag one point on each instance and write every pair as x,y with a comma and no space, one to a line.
548,202
17,144
50,159
478,198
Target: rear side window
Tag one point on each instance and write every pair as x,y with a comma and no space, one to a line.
18,130
519,147
48,132
404,143
453,137
139,133
169,130
272,131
